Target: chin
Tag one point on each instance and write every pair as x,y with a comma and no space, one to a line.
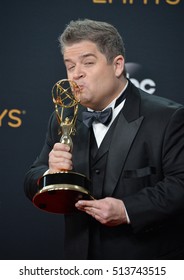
84,101
85,104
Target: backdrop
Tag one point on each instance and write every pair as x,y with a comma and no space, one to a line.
31,64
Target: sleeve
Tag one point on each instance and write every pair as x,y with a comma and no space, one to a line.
40,165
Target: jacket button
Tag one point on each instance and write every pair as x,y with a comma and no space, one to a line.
97,171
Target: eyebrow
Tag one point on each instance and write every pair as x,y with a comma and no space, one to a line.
81,56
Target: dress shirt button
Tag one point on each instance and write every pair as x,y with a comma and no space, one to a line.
97,171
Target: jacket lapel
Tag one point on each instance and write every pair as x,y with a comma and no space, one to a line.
128,124
104,147
123,137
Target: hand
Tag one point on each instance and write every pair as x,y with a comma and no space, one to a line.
60,158
108,211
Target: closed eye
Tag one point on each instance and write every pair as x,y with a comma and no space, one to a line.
70,67
89,63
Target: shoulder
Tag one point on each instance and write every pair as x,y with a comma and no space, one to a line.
154,104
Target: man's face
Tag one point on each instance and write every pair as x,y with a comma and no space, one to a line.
99,81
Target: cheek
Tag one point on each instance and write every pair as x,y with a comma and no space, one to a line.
104,82
69,76
100,79
101,83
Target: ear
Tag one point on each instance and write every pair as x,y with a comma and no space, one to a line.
119,64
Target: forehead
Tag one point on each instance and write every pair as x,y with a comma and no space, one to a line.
80,48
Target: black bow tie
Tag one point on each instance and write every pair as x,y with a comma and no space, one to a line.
99,116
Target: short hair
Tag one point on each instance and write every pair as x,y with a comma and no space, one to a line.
104,35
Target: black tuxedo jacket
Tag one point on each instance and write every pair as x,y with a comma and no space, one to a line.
144,167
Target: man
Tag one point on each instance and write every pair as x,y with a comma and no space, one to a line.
135,161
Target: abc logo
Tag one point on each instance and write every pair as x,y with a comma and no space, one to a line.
134,73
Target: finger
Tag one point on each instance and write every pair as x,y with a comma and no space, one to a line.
61,147
60,154
86,203
60,159
62,165
92,213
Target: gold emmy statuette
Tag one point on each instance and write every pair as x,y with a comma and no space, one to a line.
58,192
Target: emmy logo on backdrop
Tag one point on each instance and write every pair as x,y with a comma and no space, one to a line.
58,192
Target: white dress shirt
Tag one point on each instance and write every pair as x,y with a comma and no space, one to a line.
100,129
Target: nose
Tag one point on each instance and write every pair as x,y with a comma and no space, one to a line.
78,73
